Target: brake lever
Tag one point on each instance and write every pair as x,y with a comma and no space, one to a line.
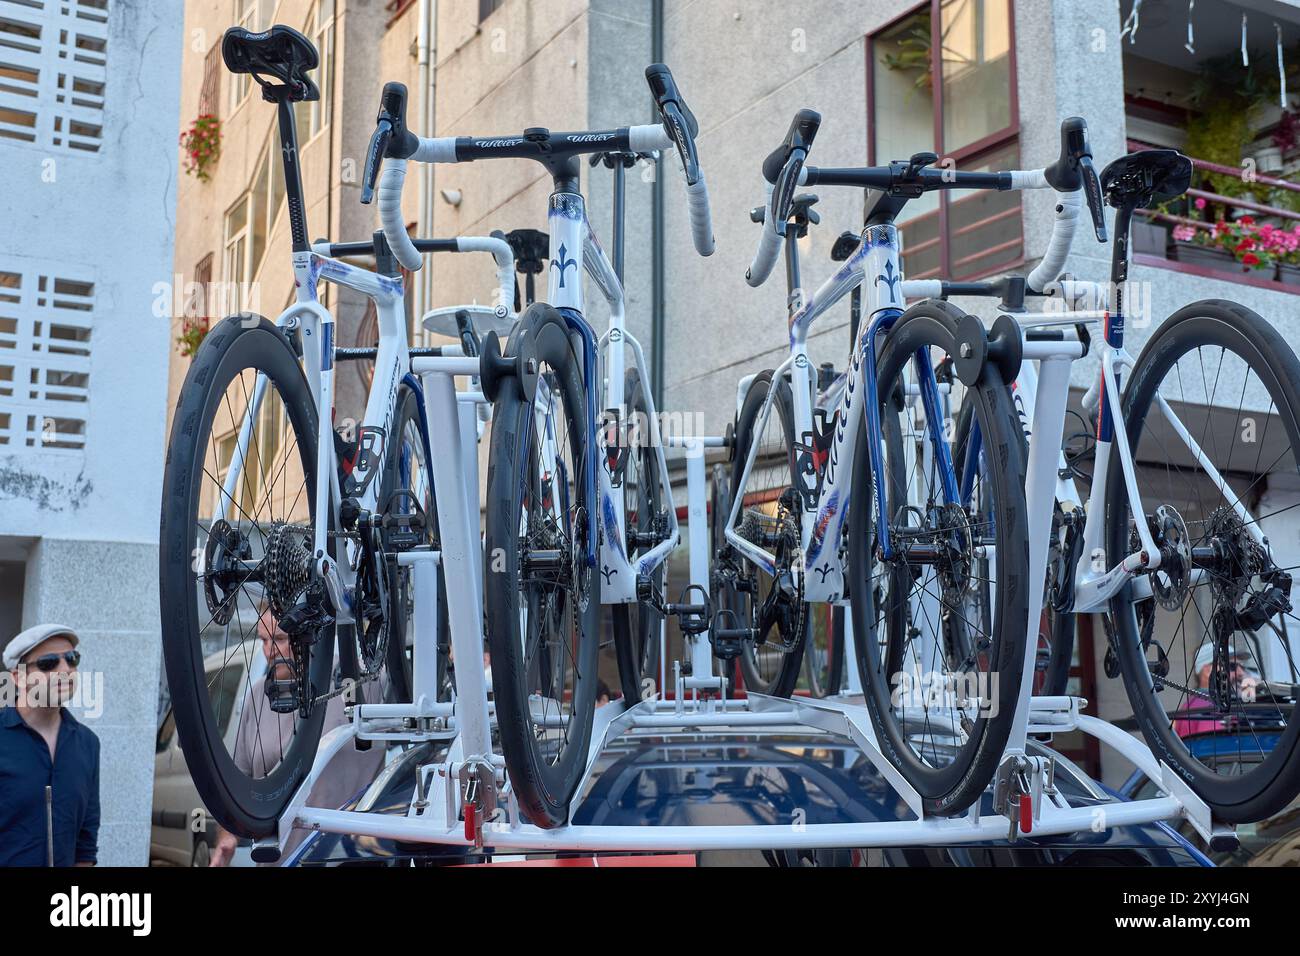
679,132
783,191
1092,193
375,159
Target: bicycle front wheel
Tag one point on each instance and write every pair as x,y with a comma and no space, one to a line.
235,558
1204,641
541,598
939,623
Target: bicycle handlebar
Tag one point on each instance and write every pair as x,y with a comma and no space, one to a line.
783,169
1072,176
393,141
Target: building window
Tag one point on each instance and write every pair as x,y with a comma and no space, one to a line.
209,93
45,337
322,36
53,70
254,15
487,7
251,222
961,105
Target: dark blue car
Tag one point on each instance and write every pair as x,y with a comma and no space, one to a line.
1271,842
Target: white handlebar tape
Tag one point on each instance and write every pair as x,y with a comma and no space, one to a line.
643,139
697,204
1068,207
769,246
439,150
390,215
505,259
1028,179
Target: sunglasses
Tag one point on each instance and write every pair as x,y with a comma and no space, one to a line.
47,662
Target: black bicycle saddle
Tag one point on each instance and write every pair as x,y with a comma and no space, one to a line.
281,52
1147,176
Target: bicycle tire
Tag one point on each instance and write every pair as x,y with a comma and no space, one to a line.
636,626
945,788
1275,779
542,786
244,805
781,682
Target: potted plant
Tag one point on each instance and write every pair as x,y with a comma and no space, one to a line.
1237,245
202,145
1285,245
1286,135
913,54
1249,244
192,334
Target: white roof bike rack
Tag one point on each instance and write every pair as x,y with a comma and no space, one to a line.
466,798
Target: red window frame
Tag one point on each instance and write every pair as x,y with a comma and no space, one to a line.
964,156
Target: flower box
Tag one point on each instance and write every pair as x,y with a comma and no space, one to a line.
1207,257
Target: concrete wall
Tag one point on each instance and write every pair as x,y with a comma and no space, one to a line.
86,521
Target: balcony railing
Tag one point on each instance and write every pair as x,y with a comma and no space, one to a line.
1161,247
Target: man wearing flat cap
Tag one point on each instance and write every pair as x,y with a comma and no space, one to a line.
49,761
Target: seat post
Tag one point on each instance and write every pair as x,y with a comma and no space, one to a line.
292,173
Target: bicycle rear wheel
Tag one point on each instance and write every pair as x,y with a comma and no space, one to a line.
770,603
637,626
541,598
940,625
233,563
1203,641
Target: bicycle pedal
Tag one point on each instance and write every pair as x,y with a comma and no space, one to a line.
692,618
728,642
282,693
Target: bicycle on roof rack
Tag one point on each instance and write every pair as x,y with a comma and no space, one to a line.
579,508
1177,544
274,524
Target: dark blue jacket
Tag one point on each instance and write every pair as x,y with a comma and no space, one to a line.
25,772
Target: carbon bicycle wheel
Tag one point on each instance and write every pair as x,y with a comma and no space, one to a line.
637,626
233,564
541,597
1203,641
940,623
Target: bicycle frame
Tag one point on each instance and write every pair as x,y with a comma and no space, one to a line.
821,527
1096,584
574,246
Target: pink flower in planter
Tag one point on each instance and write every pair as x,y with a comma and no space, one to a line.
1184,233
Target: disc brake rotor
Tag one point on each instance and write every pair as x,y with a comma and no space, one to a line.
225,548
1172,581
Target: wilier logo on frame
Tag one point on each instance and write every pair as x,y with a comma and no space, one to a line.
102,910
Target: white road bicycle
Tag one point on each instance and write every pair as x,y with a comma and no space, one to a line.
934,559
269,513
578,510
1183,548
